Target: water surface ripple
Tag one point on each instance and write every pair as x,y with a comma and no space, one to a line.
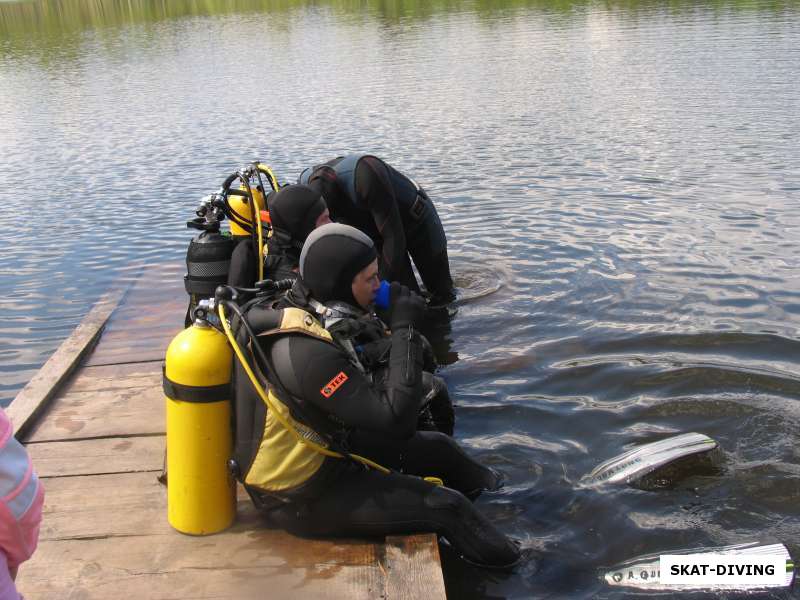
619,183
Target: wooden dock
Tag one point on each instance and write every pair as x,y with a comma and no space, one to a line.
93,422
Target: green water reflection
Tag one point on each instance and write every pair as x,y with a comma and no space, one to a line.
51,18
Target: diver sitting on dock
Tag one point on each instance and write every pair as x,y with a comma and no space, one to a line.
303,459
363,191
295,211
363,335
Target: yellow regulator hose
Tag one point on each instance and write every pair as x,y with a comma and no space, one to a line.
257,219
273,181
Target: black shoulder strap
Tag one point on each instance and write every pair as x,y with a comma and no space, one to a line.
260,319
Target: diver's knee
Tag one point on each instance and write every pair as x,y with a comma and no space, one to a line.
446,499
434,439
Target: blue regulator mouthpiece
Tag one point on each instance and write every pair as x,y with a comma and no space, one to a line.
382,297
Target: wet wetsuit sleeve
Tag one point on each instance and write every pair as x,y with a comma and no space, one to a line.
376,193
321,374
323,181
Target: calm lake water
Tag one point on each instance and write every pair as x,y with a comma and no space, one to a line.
624,174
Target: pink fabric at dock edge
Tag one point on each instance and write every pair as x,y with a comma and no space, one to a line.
8,591
21,500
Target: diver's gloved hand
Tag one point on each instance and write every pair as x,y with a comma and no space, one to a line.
407,307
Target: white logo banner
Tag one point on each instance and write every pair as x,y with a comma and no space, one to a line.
723,569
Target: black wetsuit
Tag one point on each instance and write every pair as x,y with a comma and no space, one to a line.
359,502
244,265
343,498
371,344
281,262
294,210
366,193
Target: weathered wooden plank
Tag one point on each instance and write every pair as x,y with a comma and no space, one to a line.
103,505
95,457
109,401
153,329
119,505
119,411
168,316
135,505
413,568
109,377
107,536
266,564
39,390
124,346
128,355
143,325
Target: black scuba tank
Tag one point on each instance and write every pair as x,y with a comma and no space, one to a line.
208,261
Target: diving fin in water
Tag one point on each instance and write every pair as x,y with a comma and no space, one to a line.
654,464
644,572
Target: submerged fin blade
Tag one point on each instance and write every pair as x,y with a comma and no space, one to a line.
644,460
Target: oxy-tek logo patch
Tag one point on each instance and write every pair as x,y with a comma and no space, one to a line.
334,384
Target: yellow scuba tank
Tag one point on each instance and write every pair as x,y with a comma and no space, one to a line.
241,205
201,492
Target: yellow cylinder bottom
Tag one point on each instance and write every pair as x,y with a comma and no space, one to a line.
201,493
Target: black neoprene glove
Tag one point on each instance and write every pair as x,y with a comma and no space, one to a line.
407,307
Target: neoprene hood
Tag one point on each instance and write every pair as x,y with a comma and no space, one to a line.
294,210
332,256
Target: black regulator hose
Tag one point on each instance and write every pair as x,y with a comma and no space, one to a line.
251,226
226,207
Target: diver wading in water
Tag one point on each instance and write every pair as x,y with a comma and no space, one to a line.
363,191
301,446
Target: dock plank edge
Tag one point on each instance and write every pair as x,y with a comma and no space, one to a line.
34,397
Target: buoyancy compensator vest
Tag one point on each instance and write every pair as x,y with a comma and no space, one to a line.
288,462
368,343
280,440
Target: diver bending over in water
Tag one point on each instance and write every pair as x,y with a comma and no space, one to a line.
363,191
318,389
